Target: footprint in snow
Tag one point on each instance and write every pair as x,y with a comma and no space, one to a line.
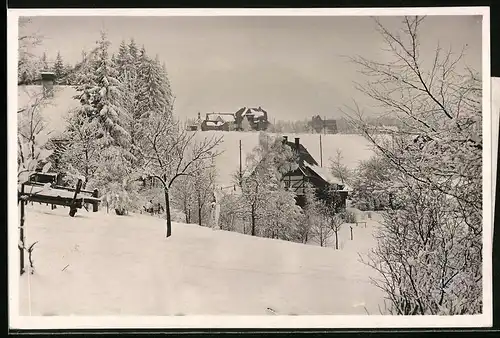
270,311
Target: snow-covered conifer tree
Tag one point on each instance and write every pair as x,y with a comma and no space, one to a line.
59,70
133,50
154,94
101,96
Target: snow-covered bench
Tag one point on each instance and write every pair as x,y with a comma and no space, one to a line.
74,198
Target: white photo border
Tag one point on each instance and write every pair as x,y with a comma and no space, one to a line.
258,322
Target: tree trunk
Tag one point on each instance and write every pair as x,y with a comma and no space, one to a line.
253,220
167,210
199,208
186,211
86,168
336,239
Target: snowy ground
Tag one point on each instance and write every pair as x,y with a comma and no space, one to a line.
354,148
100,264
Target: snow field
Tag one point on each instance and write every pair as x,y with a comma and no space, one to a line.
354,149
102,264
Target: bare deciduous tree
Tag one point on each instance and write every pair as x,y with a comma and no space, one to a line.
339,169
334,220
28,63
429,248
171,152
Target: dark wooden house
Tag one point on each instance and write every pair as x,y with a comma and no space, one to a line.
328,188
327,126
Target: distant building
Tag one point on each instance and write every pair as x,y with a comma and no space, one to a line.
196,125
219,121
257,117
327,126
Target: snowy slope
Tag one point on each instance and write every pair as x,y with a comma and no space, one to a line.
99,264
354,149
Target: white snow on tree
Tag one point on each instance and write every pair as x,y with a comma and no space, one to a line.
428,254
101,96
263,193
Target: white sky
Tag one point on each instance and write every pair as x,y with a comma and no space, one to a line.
291,66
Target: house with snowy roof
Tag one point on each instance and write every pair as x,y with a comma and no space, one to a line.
327,186
257,118
219,121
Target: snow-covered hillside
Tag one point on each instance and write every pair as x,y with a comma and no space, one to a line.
354,149
102,264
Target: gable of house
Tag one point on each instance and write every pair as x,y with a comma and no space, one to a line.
319,124
255,113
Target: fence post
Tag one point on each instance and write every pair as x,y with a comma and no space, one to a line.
21,233
95,206
73,207
351,231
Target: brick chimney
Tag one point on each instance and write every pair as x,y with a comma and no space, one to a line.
48,83
297,143
285,139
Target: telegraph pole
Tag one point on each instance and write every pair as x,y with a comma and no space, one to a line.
240,165
320,151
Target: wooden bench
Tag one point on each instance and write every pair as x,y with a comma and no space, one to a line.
74,198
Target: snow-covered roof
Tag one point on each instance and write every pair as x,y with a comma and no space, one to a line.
214,123
53,110
255,112
326,175
224,117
